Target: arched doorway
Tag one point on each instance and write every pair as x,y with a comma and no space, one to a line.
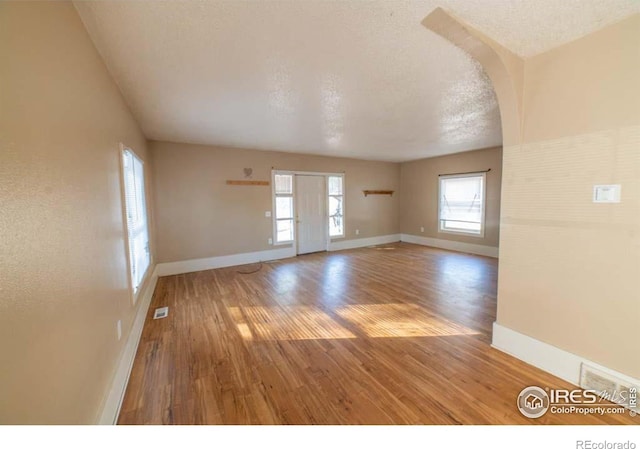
504,68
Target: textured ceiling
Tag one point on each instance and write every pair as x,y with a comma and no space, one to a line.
344,78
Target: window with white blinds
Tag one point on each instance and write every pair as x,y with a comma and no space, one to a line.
136,212
462,203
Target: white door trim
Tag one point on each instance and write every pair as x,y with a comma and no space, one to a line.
294,242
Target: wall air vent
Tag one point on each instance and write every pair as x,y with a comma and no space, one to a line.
161,312
610,387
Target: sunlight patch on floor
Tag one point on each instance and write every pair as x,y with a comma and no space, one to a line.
288,323
400,320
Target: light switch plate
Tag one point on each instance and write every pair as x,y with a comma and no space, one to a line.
609,193
267,214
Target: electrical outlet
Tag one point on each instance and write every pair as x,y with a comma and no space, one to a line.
357,231
119,327
270,241
267,213
421,228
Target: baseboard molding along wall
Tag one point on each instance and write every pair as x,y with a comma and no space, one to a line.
560,363
211,263
113,401
339,245
471,248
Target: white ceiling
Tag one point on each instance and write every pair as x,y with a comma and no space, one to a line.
344,78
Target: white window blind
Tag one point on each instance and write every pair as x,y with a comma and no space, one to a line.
336,205
136,212
462,203
283,191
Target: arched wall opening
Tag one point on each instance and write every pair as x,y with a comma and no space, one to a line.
505,69
567,283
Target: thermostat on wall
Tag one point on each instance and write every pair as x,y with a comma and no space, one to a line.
606,193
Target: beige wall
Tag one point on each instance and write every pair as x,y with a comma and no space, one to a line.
569,268
63,273
568,271
198,215
419,200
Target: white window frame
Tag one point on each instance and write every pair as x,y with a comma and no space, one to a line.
344,220
134,292
441,178
274,217
293,173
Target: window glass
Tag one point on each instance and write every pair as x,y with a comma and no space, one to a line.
462,203
136,213
336,206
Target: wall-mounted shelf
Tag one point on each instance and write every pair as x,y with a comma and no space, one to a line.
377,192
247,183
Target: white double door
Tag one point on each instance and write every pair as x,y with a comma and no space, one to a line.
311,213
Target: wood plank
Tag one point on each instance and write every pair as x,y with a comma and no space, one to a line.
366,336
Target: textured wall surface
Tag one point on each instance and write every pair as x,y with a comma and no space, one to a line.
198,215
569,268
63,272
419,200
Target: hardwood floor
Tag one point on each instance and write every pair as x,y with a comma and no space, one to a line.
398,334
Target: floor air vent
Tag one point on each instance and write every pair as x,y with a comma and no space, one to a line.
609,387
161,312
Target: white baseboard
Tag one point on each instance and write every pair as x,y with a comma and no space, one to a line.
551,359
471,248
113,402
339,245
210,263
